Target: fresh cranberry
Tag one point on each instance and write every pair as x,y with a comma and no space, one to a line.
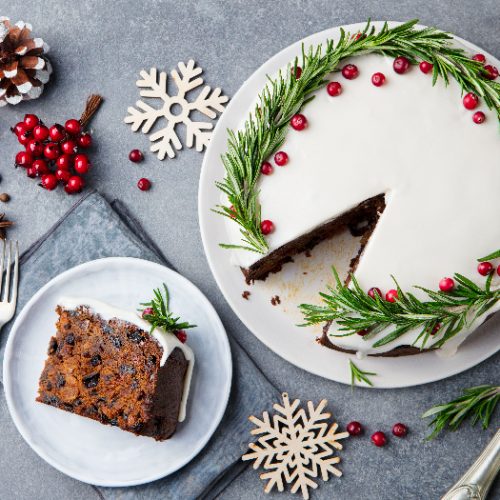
81,164
266,168
374,290
267,227
378,439
233,212
85,140
298,122
378,79
56,133
73,126
25,138
478,117
400,430
354,428
24,159
49,181
436,329
135,155
64,162
334,89
498,270
181,335
479,58
148,311
31,121
490,72
63,175
485,268
35,147
401,65
69,147
350,71
281,158
144,184
362,333
426,67
470,100
31,172
74,185
51,151
41,167
391,295
40,133
298,72
20,128
446,285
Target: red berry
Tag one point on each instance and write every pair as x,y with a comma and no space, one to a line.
64,162
40,132
478,117
266,168
334,89
56,133
354,428
85,140
298,72
20,128
181,335
436,329
378,439
148,311
350,71
24,159
81,164
378,79
391,295
490,72
485,268
426,67
40,167
470,100
69,147
35,147
362,333
281,158
374,290
400,430
498,270
49,181
74,185
267,227
51,151
401,65
298,122
233,212
63,175
144,184
31,121
73,126
479,58
446,285
31,172
136,156
24,138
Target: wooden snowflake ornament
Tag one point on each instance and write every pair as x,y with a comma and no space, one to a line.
175,109
295,446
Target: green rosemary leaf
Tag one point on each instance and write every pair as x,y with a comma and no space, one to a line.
494,255
358,375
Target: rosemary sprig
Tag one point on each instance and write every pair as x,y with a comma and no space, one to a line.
266,128
358,375
354,311
157,312
479,403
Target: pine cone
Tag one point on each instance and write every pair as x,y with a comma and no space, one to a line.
24,69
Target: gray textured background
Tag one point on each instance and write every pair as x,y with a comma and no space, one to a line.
100,47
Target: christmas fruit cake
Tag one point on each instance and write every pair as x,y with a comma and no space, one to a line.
106,364
394,130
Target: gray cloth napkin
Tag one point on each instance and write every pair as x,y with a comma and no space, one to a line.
93,229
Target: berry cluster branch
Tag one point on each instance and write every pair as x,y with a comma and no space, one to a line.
265,129
444,315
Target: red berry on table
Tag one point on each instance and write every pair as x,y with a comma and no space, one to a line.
334,89
85,140
51,151
400,430
266,168
73,126
74,185
267,227
446,285
56,133
391,295
426,67
378,79
478,117
24,138
24,159
63,175
354,428
490,72
49,181
81,163
479,58
64,162
350,71
35,147
281,158
41,167
136,156
298,72
144,184
374,290
485,268
40,133
31,172
401,65
31,121
181,335
20,128
69,147
378,439
470,100
148,311
298,122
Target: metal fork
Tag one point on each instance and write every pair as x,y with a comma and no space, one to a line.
9,253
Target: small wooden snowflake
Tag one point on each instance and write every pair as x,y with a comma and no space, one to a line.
295,446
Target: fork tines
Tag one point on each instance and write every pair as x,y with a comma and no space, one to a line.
9,259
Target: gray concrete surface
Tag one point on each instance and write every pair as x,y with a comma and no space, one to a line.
100,46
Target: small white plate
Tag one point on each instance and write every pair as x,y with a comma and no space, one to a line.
83,448
301,281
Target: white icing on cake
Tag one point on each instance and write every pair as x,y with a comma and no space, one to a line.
417,144
167,340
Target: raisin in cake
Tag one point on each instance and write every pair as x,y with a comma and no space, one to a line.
104,364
